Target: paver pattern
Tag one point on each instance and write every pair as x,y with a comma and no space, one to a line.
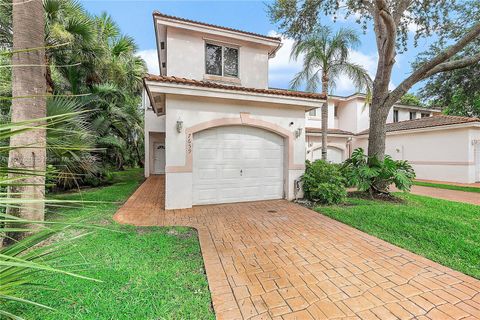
278,260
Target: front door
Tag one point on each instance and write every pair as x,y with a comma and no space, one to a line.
159,158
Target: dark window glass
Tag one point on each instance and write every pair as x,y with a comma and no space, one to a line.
335,111
213,59
230,61
395,115
413,115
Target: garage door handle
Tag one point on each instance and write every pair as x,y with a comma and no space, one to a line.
241,172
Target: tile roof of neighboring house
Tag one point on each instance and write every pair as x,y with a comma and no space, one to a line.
215,85
329,131
159,14
427,122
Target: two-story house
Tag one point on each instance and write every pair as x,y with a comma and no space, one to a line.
212,125
220,134
348,116
439,147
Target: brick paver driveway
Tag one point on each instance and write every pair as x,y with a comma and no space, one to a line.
278,260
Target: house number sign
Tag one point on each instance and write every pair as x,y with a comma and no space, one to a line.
189,143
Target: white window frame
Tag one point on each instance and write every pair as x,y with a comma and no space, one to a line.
222,45
395,111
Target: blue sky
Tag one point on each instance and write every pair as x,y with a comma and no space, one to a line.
135,19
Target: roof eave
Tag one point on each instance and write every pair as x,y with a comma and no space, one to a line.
184,89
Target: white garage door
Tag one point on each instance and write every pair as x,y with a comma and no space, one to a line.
237,163
334,155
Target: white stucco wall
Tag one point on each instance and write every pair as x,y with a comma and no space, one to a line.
186,57
153,125
196,110
435,154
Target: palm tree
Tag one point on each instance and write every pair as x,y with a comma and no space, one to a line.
326,57
27,150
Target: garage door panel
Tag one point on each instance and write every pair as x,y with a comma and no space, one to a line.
240,164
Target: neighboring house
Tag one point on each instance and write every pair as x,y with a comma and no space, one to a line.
219,134
439,147
214,127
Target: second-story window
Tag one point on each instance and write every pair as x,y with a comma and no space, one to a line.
335,111
413,115
395,115
425,115
221,60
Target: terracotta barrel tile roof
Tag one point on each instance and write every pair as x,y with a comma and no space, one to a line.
329,131
427,122
215,85
162,15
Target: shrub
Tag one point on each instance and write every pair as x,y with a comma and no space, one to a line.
371,174
323,182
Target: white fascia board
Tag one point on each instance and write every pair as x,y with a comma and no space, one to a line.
340,135
436,128
171,88
218,32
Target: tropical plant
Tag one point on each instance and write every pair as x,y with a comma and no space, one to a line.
86,55
23,262
71,144
453,26
376,176
326,56
323,183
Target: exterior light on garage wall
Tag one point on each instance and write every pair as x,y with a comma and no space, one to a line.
298,132
179,126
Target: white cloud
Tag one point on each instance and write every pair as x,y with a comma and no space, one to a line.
151,58
282,69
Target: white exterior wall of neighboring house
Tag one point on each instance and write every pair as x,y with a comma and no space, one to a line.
440,153
212,113
337,147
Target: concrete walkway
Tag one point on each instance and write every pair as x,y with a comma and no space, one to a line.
278,260
452,195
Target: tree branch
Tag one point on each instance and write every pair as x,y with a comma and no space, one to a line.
437,61
391,28
455,64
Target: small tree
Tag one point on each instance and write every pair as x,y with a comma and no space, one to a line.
391,22
326,57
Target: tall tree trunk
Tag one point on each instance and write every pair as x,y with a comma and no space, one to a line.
324,118
28,92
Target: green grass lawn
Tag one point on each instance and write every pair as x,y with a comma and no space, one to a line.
147,273
446,186
444,231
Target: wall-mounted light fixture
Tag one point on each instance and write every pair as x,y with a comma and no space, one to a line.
179,126
298,132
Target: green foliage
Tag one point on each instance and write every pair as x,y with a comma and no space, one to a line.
444,231
297,18
327,52
147,272
323,182
22,263
87,55
371,174
410,99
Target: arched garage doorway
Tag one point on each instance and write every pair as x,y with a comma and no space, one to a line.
237,163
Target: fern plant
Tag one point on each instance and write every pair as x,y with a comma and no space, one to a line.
375,175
